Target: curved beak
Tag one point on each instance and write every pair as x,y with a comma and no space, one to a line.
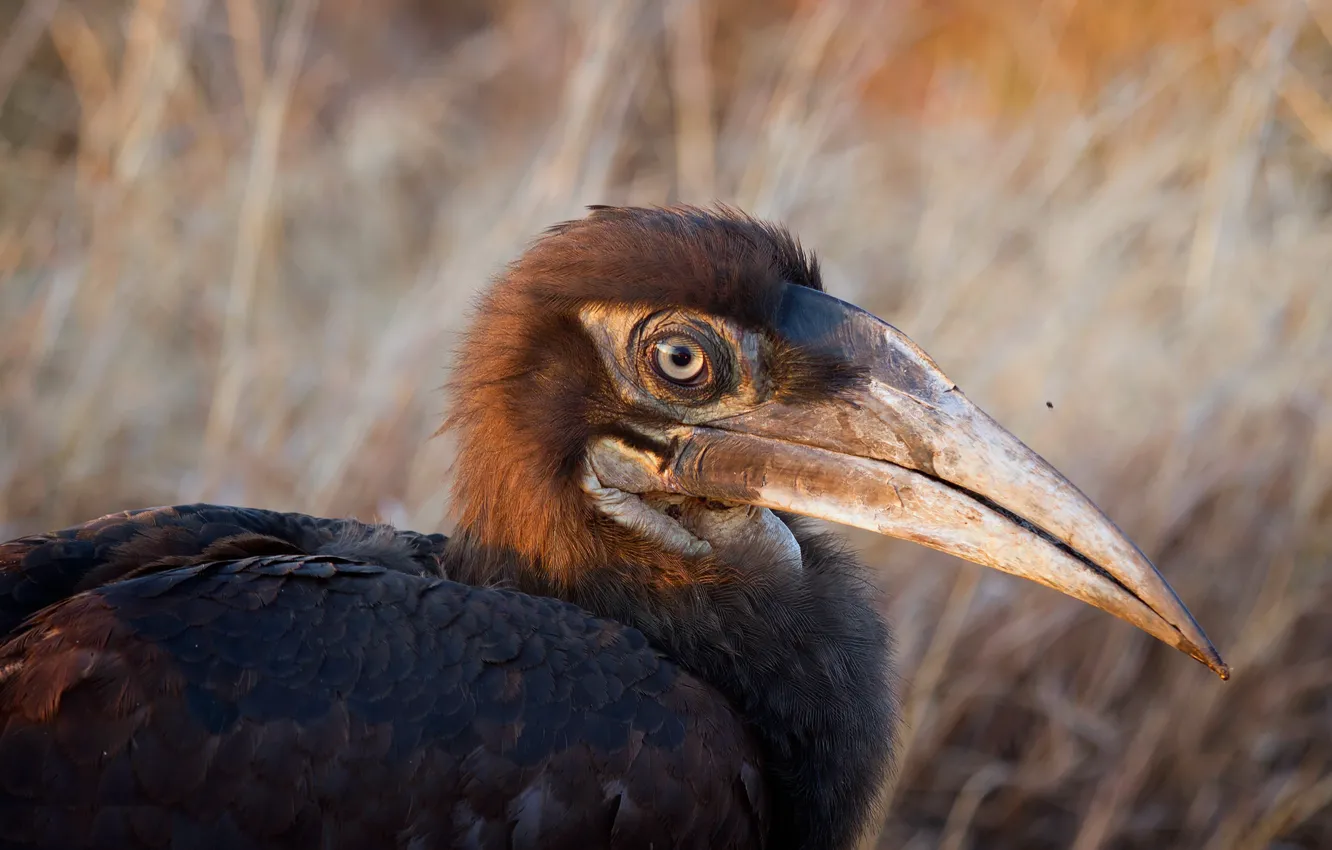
904,453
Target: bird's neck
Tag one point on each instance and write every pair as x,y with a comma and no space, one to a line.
802,654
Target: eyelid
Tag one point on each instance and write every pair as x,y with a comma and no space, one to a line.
716,349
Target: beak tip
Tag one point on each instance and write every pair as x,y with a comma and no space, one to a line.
1208,655
1189,637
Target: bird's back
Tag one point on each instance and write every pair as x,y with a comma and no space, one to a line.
181,680
43,569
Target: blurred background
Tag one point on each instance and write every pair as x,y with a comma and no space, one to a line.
238,239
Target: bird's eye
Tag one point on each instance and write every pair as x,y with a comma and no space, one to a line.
680,360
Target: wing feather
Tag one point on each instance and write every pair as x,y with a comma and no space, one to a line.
289,699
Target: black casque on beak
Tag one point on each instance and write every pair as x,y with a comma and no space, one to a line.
905,453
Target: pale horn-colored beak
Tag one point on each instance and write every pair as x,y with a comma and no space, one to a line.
906,454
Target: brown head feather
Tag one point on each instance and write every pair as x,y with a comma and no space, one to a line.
533,390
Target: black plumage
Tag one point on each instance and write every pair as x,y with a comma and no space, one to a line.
286,681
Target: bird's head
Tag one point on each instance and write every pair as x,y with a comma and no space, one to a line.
650,385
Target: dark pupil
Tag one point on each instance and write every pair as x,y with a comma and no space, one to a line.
681,356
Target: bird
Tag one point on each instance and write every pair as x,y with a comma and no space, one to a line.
639,633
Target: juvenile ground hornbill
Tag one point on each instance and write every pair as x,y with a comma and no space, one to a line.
632,640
